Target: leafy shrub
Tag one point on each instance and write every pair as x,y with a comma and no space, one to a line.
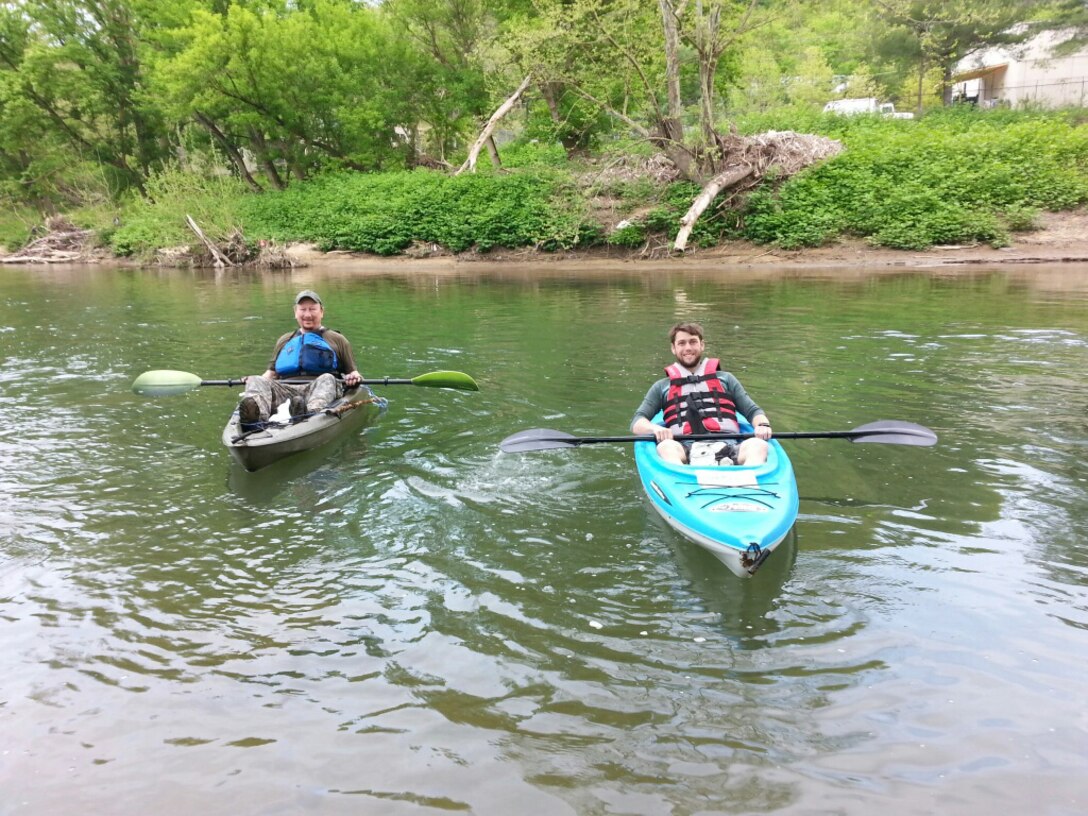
534,153
15,227
950,177
385,213
630,235
1019,218
157,218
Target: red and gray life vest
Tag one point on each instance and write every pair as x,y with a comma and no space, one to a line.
700,391
307,354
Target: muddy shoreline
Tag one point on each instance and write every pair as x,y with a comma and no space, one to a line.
1061,238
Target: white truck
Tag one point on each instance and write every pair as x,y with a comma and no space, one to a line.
868,104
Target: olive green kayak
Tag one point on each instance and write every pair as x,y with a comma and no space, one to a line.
357,409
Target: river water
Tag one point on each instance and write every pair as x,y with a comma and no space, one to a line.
410,622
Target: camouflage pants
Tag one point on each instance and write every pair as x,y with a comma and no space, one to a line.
271,394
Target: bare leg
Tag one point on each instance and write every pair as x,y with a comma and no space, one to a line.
752,452
672,451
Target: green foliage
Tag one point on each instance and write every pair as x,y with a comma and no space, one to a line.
533,153
1019,218
630,235
302,90
713,225
578,127
15,226
384,214
72,88
952,177
157,218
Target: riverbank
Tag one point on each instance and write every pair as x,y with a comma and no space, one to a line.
1061,238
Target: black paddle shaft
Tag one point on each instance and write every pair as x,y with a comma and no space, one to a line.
887,431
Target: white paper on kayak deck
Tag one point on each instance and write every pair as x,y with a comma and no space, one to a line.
726,477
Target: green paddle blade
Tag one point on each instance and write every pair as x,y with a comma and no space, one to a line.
165,383
446,379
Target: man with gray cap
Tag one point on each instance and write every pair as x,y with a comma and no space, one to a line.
311,352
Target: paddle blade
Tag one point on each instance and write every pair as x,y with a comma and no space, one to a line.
894,432
165,383
538,439
446,379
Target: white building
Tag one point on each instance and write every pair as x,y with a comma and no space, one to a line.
1024,74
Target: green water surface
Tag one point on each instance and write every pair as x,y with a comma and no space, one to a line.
411,622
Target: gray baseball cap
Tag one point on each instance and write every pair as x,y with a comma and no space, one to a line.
308,293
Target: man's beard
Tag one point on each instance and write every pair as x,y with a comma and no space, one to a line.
691,367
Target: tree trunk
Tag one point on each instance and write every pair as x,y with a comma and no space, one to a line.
260,150
709,193
233,153
921,84
946,87
485,134
707,31
493,152
672,58
547,92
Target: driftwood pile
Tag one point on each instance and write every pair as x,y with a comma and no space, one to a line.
233,250
59,241
745,162
657,168
63,242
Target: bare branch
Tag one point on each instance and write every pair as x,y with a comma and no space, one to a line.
485,134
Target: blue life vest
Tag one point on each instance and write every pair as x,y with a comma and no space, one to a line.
306,354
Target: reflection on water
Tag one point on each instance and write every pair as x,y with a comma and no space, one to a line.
409,621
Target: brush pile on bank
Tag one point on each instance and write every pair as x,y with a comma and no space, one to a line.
59,241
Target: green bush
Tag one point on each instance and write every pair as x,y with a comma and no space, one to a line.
15,226
384,214
157,218
1019,218
629,235
533,153
950,177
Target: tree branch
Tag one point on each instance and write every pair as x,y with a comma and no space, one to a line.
485,135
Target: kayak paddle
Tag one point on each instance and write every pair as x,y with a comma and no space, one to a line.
888,431
164,382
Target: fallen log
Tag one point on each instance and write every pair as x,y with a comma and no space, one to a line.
221,260
747,160
485,134
702,201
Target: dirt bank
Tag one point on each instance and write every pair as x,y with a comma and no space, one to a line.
1062,237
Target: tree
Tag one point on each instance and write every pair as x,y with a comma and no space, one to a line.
75,76
618,56
451,87
299,89
635,62
938,34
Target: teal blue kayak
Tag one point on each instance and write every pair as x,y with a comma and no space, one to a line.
738,513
